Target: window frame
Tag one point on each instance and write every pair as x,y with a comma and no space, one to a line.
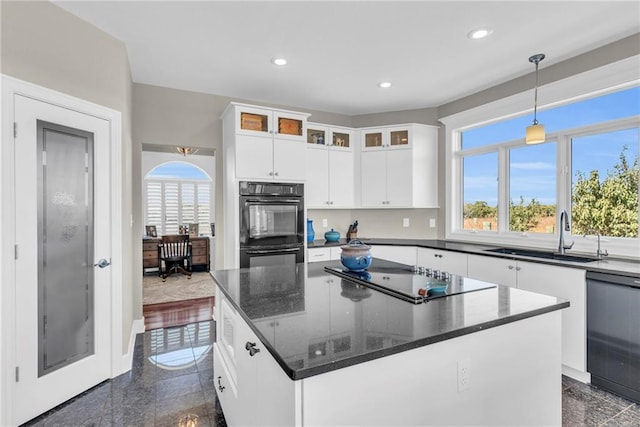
615,77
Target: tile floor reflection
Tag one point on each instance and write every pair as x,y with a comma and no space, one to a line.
172,379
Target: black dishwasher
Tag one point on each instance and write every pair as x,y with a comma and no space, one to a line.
613,333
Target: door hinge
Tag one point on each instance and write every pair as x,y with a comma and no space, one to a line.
15,129
15,252
17,373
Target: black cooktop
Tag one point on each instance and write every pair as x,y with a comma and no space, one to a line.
404,283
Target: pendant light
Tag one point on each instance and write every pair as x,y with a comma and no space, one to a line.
535,132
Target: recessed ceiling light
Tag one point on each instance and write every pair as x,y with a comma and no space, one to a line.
384,85
479,33
279,61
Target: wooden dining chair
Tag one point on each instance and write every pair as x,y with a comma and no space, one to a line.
174,255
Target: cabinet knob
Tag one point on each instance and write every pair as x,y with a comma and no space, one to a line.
276,174
270,173
251,348
517,268
220,386
510,267
330,203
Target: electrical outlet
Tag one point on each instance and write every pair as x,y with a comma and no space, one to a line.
464,374
432,222
405,222
325,224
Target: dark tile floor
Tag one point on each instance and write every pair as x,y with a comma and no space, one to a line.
586,405
172,378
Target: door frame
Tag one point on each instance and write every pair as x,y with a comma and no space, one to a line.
9,88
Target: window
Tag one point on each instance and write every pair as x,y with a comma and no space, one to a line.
504,190
605,183
178,193
532,188
481,192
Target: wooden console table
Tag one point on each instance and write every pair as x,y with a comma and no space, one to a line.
200,258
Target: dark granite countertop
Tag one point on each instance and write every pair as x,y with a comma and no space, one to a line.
314,322
625,267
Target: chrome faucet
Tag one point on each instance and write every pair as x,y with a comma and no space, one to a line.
564,226
599,253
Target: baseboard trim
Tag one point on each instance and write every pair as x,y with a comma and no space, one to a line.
127,359
583,377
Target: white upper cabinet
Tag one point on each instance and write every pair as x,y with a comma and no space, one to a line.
330,167
265,144
399,167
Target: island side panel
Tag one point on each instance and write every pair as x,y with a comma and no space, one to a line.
514,379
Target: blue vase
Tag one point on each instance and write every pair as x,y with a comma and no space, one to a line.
311,235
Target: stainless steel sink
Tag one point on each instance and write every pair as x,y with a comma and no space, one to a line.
542,254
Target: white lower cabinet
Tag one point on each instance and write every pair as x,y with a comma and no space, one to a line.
323,254
569,284
494,270
561,282
402,254
451,262
261,393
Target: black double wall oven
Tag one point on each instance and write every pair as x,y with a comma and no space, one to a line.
271,223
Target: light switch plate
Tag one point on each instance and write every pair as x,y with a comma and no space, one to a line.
325,224
432,222
405,222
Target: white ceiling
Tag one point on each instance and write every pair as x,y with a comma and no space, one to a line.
339,51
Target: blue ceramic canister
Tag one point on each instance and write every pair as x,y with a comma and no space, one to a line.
332,236
356,256
311,234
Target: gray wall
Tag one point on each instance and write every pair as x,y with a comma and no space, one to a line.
46,45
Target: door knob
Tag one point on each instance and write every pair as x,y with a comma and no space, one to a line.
251,347
102,263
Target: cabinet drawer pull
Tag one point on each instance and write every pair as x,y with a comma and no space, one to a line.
220,386
251,347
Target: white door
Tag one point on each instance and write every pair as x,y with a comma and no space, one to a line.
374,179
63,310
399,178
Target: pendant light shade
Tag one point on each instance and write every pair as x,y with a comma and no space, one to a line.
535,133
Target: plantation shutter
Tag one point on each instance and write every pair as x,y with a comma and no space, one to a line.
154,205
188,205
170,204
171,208
204,190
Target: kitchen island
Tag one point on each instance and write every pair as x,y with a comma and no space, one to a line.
300,346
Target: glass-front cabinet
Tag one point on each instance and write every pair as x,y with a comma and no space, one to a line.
386,138
331,137
329,167
265,144
265,122
398,167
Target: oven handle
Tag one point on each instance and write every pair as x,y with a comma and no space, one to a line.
272,251
273,201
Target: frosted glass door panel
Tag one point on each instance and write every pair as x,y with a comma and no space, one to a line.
65,247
